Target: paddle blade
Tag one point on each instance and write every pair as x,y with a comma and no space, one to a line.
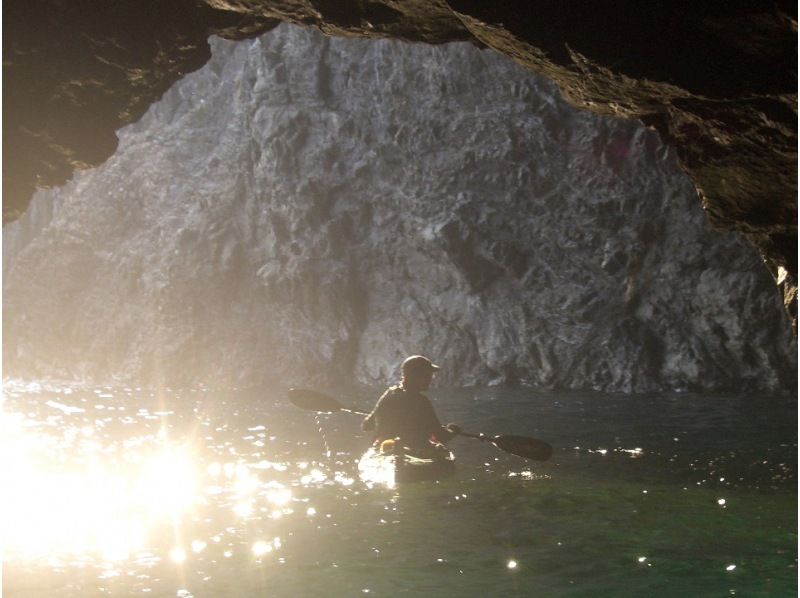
313,400
523,446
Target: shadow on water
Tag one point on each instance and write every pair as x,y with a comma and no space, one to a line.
127,491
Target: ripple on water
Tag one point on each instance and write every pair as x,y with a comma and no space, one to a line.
209,493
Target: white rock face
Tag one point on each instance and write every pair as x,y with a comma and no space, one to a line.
306,210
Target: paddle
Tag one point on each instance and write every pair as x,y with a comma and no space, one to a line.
522,446
317,401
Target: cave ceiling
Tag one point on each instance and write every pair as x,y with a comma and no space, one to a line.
718,81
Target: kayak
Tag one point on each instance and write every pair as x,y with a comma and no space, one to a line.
376,467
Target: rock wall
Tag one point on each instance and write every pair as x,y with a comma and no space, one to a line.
717,80
308,210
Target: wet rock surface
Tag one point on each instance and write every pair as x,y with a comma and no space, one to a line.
308,210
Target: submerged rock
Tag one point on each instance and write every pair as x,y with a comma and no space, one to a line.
307,210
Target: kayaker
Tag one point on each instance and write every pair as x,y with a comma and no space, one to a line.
406,415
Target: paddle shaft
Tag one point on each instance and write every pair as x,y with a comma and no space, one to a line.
481,436
354,411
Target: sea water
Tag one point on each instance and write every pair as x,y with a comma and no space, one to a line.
128,491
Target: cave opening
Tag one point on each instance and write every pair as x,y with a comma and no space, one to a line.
306,210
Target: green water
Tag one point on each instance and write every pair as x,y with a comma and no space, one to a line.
675,495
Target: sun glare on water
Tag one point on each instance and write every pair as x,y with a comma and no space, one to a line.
123,482
103,504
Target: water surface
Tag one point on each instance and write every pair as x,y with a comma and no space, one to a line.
126,491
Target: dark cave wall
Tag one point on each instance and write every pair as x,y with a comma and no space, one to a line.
718,82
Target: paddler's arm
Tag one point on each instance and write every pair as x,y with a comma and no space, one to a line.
369,421
439,431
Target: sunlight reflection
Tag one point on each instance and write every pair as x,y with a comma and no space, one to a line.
315,476
279,496
177,555
343,479
103,503
246,483
243,509
198,546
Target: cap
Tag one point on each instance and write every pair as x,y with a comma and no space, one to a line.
418,363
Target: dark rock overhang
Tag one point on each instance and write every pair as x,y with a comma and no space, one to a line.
717,80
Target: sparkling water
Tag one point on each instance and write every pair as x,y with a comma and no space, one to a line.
194,492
